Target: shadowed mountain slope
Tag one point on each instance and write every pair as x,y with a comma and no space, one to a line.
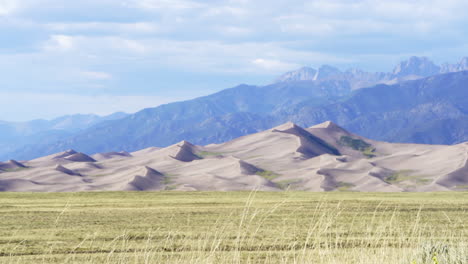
417,111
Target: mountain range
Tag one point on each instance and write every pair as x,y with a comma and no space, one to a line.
324,157
419,102
411,69
14,135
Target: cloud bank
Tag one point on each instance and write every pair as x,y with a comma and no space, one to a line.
180,48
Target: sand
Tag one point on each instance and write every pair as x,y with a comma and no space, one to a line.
285,157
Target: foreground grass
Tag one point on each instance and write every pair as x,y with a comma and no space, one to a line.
234,227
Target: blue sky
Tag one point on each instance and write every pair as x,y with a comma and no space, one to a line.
100,56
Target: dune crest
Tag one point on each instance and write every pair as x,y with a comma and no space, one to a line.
11,165
80,157
456,178
111,155
150,179
65,154
324,157
309,145
61,168
186,152
247,168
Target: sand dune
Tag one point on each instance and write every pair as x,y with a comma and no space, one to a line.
11,165
145,151
248,169
19,185
459,176
110,155
185,151
324,157
309,145
60,168
64,154
150,179
80,157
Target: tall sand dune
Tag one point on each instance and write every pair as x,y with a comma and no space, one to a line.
61,168
185,151
324,157
111,155
80,157
11,165
150,179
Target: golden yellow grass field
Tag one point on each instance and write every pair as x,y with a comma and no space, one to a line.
234,227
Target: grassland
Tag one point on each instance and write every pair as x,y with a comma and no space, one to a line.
269,175
234,227
204,154
360,145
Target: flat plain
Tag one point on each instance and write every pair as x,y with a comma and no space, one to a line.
234,227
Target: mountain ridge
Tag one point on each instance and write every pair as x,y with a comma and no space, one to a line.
376,112
411,69
379,112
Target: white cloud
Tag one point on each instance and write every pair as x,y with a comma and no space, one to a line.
233,31
274,65
133,46
238,36
57,42
8,6
226,10
96,75
60,43
94,46
165,4
196,56
137,27
302,24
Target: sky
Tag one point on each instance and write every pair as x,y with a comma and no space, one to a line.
101,56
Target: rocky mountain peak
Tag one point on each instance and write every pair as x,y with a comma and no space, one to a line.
464,61
420,66
302,74
460,66
326,71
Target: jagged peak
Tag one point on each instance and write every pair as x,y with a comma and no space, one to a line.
305,69
309,74
302,74
355,71
463,64
421,66
326,71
